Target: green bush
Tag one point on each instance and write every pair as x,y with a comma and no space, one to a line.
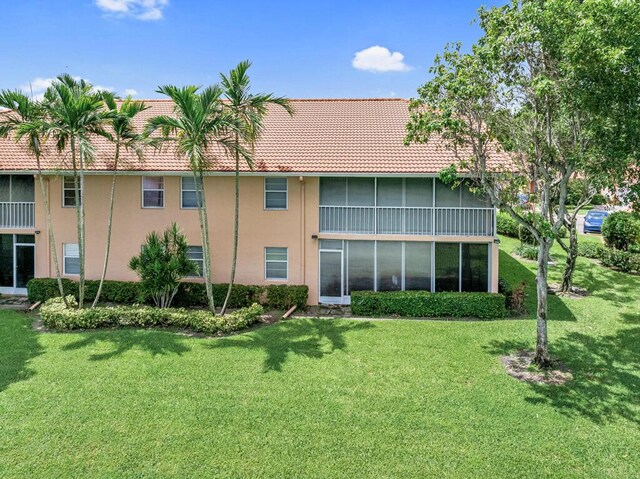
591,249
622,260
527,251
507,225
281,296
426,304
56,315
598,199
621,229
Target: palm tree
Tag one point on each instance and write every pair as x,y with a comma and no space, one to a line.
248,110
199,130
25,120
74,115
123,135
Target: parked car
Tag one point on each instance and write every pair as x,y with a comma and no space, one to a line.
593,221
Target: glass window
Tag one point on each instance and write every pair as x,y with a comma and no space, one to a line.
22,188
417,266
194,253
475,267
333,191
389,258
447,267
152,192
5,188
71,259
471,199
331,244
6,261
69,192
360,266
275,193
189,192
276,263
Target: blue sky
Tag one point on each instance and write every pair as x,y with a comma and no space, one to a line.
300,49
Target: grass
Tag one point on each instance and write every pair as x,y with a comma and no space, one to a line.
338,398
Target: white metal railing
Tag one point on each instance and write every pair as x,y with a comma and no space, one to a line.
441,221
17,215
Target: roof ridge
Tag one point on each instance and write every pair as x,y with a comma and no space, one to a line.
167,100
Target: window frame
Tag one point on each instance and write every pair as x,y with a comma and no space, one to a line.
182,190
64,205
64,258
266,277
285,191
142,191
200,262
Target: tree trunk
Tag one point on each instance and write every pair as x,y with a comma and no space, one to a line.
77,184
572,256
52,242
542,353
109,224
234,257
204,238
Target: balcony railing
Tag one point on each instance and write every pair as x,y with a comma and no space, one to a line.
17,215
440,221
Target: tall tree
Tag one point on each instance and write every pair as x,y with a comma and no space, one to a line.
24,120
124,136
200,130
74,116
522,90
248,110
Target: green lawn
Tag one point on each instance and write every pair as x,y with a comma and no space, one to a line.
318,398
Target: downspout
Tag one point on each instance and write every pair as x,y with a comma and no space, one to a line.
302,232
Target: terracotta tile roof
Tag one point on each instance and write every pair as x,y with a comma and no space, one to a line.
323,136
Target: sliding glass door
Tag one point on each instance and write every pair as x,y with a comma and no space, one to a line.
17,263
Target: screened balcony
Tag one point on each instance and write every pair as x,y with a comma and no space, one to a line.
406,206
17,207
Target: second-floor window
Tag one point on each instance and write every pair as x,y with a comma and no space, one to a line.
188,197
152,192
69,192
275,194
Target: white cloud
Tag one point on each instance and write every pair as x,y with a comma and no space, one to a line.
141,9
38,85
130,91
379,59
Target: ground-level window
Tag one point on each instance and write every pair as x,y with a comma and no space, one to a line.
189,197
354,265
194,253
71,262
152,192
69,192
275,193
276,263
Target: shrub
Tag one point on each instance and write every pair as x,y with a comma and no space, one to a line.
56,315
426,304
590,249
281,296
621,229
598,199
507,225
622,260
527,251
162,263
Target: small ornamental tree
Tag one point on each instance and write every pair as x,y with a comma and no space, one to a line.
162,264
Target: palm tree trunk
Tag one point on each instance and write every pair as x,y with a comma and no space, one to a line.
77,183
234,257
109,224
44,191
204,238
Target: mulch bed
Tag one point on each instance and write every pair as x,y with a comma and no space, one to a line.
520,366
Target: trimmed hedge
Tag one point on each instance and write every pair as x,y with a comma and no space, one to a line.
527,251
276,296
621,229
426,304
506,225
591,249
623,260
56,315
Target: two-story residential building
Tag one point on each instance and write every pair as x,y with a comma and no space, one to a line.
335,201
